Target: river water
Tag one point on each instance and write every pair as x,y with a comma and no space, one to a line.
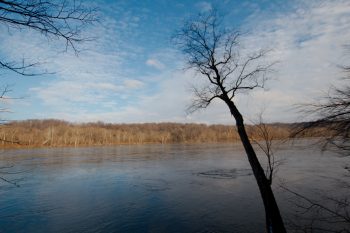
154,188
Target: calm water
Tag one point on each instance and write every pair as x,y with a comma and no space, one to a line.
151,188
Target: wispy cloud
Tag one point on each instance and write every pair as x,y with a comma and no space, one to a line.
308,44
95,76
133,84
155,63
112,80
204,6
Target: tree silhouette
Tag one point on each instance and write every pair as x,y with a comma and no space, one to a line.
332,114
58,19
332,122
213,52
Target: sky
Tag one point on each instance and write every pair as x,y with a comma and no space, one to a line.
133,73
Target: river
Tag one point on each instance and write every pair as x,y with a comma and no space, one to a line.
154,188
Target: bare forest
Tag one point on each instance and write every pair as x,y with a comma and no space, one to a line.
58,133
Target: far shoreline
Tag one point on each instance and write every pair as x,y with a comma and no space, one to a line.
51,133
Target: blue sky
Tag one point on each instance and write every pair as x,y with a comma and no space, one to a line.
133,73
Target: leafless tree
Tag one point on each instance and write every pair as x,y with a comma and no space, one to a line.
329,214
332,124
213,52
333,116
264,138
60,19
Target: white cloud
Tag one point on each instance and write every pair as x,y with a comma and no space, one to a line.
133,84
307,42
93,76
204,6
155,63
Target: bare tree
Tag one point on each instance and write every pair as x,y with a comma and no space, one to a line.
262,135
329,214
333,116
213,52
60,19
332,123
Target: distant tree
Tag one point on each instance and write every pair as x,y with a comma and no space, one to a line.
213,52
59,19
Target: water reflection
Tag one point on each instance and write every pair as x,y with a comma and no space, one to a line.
150,188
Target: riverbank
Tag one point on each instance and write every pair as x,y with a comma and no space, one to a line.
57,133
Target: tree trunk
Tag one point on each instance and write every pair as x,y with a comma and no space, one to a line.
274,222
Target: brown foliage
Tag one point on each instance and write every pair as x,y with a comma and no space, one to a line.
57,133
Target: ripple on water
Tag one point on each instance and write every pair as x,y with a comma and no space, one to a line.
154,185
225,173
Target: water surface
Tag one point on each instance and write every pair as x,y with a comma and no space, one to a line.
150,188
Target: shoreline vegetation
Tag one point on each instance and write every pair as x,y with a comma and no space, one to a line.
59,133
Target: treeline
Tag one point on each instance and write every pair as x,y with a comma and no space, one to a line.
56,133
